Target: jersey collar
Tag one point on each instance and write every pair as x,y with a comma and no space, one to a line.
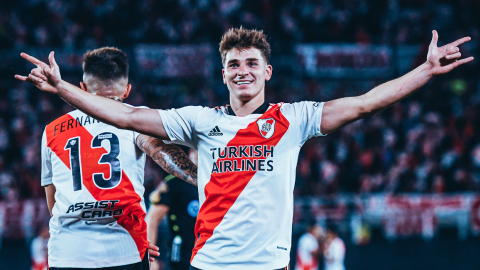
260,110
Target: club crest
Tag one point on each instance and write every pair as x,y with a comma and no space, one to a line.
266,127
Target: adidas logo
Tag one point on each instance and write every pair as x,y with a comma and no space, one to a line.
215,132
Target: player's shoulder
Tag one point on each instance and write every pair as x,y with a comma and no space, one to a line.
192,111
298,107
221,109
300,104
205,109
306,236
61,119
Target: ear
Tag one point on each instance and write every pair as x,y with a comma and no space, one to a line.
268,72
127,91
223,75
83,86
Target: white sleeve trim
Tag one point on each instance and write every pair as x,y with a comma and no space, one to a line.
317,123
318,119
165,125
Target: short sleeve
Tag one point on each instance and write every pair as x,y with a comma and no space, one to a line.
46,153
180,124
136,134
306,116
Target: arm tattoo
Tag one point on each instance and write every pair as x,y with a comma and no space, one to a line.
170,157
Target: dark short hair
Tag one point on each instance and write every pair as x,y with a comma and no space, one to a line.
311,222
241,38
107,63
332,228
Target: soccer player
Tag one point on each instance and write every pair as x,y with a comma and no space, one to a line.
309,249
38,250
248,150
334,251
93,177
177,200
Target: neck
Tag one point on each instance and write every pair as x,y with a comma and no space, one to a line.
244,108
114,98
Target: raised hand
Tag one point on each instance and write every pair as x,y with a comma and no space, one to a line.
45,77
444,59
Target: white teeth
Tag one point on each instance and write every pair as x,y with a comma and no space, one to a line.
242,83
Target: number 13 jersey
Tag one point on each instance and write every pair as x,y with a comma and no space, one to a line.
99,212
246,175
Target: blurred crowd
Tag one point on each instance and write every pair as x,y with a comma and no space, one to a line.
94,23
429,143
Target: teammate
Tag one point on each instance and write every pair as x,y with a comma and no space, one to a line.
248,150
38,250
93,176
334,251
309,250
177,200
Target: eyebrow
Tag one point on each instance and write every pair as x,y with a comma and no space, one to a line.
236,60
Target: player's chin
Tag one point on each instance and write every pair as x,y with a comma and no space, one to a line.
245,91
245,95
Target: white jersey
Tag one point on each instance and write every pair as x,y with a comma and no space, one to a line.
335,255
38,250
306,245
246,176
99,212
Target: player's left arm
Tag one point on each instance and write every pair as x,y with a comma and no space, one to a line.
170,157
50,193
440,60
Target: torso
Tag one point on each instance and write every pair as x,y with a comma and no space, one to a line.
98,217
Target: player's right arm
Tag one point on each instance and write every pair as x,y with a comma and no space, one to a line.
170,157
48,79
155,215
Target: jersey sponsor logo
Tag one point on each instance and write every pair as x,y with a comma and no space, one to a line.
95,210
215,132
242,158
266,127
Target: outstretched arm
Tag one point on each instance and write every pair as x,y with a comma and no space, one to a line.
170,157
440,60
47,78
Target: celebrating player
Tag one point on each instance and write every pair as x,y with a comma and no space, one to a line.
248,150
93,177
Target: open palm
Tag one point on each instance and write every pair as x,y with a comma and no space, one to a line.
444,59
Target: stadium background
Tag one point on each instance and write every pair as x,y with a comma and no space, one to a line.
402,186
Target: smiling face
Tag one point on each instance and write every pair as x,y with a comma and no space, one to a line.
245,72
